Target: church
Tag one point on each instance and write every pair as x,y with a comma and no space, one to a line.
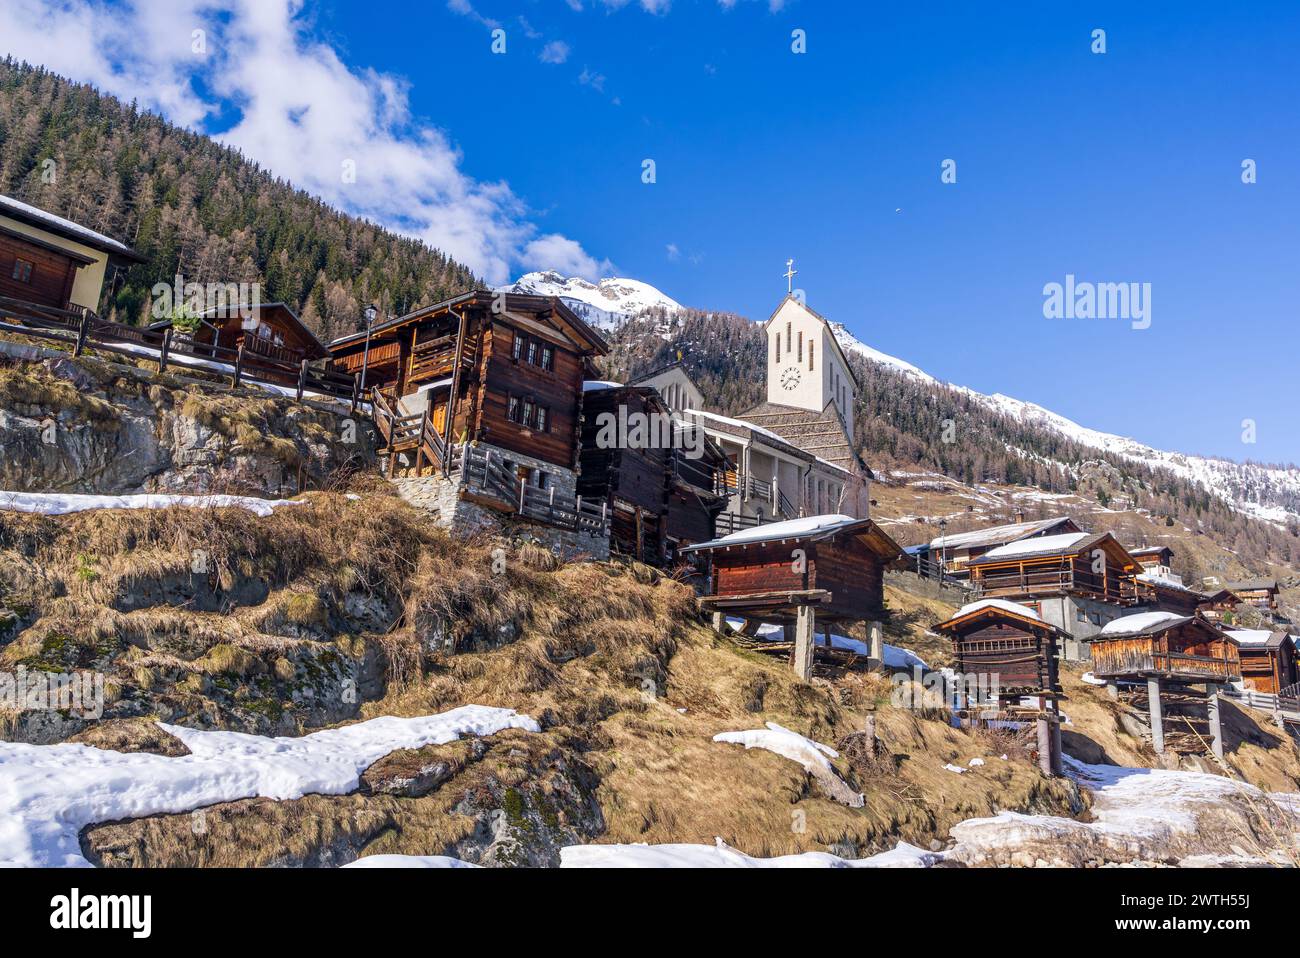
792,455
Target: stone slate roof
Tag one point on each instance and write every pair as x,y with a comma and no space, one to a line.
821,434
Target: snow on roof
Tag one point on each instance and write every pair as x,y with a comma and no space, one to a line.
1002,534
1251,636
595,385
62,226
1043,545
1143,622
1165,581
740,424
1002,604
775,531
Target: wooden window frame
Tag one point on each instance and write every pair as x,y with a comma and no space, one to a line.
26,268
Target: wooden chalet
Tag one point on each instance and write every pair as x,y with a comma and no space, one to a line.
1217,606
1010,647
272,330
659,480
1074,562
1006,640
1156,559
1260,593
267,336
1268,659
795,571
1171,653
50,261
485,390
952,553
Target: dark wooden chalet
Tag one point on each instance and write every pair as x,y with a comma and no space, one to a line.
1217,606
272,330
1268,659
658,482
1077,563
1007,641
487,388
1007,646
1260,593
830,567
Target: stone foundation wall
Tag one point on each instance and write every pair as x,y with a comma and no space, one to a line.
442,498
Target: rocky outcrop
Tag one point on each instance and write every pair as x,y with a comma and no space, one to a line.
84,425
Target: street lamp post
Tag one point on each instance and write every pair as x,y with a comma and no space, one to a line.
371,312
943,526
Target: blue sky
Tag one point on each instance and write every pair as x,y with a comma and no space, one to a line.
1120,167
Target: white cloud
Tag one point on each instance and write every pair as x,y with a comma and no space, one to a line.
557,51
563,255
303,114
673,252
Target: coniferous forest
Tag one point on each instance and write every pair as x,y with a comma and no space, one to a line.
194,207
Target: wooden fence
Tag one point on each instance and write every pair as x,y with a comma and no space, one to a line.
82,330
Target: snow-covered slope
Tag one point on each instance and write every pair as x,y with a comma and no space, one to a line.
605,305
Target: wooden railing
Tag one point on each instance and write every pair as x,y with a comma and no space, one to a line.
1142,655
403,433
729,522
1114,588
82,329
484,471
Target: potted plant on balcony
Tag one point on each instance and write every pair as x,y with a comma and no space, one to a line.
185,323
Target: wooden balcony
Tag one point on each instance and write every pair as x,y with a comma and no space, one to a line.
1144,656
1027,581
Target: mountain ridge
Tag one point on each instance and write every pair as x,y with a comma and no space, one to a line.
1269,492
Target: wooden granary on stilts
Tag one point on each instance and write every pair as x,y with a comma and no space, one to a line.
1183,660
1009,653
819,570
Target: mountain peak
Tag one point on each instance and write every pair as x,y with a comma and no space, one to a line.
606,304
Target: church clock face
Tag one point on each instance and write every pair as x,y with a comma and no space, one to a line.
790,377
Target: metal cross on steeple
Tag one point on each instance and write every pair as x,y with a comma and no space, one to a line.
789,275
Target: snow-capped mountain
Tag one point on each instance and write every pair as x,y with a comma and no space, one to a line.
605,305
1270,493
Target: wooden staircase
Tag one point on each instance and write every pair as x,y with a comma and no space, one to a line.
407,434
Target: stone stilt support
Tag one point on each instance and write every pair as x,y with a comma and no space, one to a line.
805,638
1157,719
1216,726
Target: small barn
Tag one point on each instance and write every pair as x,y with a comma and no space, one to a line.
795,572
1268,659
1007,641
1009,648
1185,657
